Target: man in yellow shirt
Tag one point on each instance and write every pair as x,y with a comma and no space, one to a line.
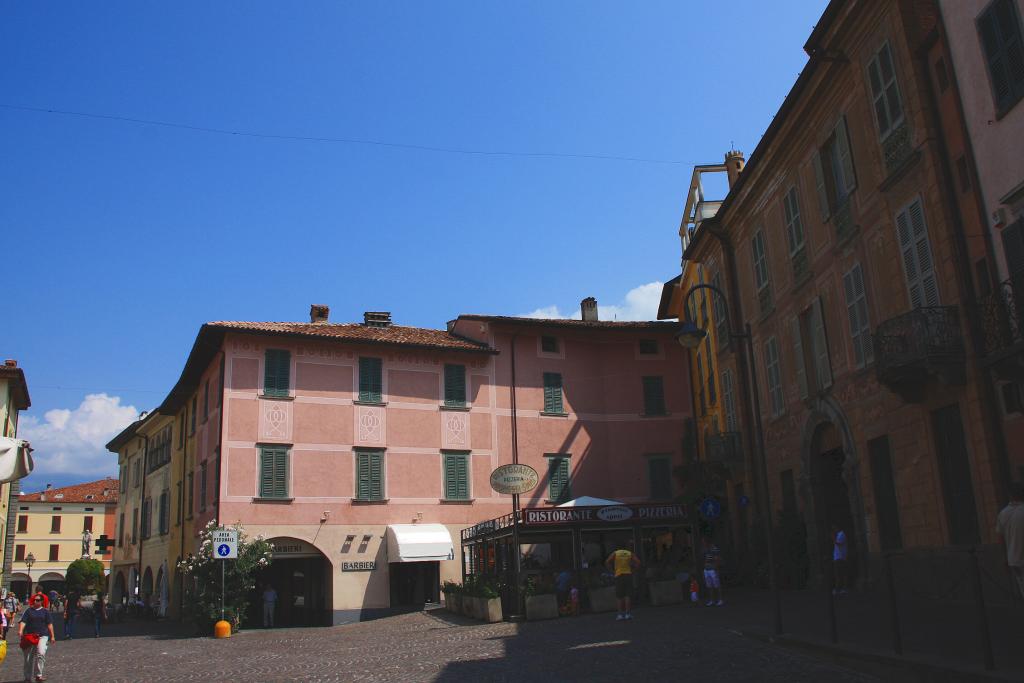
622,562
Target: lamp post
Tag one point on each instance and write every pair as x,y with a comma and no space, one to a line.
30,560
690,335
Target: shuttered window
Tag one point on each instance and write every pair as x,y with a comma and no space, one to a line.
559,489
712,389
456,476
857,313
273,473
206,401
277,365
54,553
370,474
885,93
659,476
1000,31
55,524
729,401
371,382
87,523
799,361
1013,248
455,385
834,176
654,396
760,260
918,267
794,228
774,373
722,337
22,524
164,515
19,553
700,386
549,344
553,393
819,342
203,477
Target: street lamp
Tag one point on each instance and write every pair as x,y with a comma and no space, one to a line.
30,560
689,336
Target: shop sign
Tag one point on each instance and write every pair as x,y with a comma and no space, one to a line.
514,479
358,566
285,548
608,514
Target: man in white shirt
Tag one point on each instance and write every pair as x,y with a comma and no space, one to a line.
1010,528
269,603
840,552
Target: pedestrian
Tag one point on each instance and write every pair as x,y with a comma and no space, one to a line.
622,562
35,633
10,607
840,551
1010,529
712,578
71,608
269,605
563,582
40,593
99,612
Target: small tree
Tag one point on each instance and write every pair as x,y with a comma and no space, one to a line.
85,576
202,573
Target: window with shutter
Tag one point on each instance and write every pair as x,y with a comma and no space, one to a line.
712,389
659,476
1000,31
192,492
19,553
369,474
192,423
834,174
917,256
700,387
729,401
794,228
845,177
760,258
721,317
654,396
648,347
559,490
799,361
553,393
885,92
54,552
22,524
774,374
277,365
822,189
857,313
1013,248
549,344
273,473
371,380
456,476
819,341
455,385
202,487
206,401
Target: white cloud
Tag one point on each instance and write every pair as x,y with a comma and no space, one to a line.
640,303
73,442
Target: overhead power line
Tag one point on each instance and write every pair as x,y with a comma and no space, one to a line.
352,141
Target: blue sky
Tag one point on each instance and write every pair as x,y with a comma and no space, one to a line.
123,238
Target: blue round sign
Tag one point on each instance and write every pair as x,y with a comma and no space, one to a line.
744,501
710,508
223,549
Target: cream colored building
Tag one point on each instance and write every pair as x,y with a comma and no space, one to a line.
50,529
13,399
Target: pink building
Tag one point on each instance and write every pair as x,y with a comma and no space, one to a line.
363,450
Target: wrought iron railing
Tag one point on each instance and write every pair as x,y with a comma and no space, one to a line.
725,447
897,147
1002,317
917,343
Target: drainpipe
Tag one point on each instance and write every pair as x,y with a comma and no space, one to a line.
515,461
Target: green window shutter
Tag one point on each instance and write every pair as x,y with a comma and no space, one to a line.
553,393
370,380
456,477
654,396
276,373
660,477
558,479
362,475
455,385
376,476
273,472
369,475
822,190
845,156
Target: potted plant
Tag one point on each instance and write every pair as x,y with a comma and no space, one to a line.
602,594
488,603
665,592
541,602
452,596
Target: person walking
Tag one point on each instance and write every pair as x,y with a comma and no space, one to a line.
269,605
840,551
712,579
1010,529
10,607
71,609
622,563
35,633
99,612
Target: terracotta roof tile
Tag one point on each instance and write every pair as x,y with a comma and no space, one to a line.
77,493
353,332
653,325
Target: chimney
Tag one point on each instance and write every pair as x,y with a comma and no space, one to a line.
318,313
49,486
377,318
10,363
588,307
734,163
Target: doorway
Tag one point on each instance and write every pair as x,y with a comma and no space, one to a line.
832,499
414,584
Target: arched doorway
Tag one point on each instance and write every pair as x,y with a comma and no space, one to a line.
51,581
177,591
162,590
301,576
120,590
146,589
20,585
133,585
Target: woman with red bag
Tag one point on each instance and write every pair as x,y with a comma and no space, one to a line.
36,632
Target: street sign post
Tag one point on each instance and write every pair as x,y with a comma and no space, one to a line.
225,547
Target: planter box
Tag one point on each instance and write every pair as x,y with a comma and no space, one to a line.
603,599
453,602
665,592
473,608
541,607
489,610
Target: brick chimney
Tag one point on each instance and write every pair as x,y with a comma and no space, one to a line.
318,313
588,307
377,318
10,363
734,163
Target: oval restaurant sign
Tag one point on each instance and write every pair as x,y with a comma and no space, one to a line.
514,479
614,513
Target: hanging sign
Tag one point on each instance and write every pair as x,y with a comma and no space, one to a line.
514,479
225,544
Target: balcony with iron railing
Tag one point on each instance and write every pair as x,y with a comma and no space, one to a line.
725,448
1002,326
917,347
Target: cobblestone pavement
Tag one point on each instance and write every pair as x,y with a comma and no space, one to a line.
661,644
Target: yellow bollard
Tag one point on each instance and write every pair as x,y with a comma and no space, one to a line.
222,629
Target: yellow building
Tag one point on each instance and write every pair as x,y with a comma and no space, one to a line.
13,399
50,529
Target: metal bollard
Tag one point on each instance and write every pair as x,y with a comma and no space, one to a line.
979,598
894,611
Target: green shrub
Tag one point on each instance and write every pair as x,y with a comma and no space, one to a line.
85,576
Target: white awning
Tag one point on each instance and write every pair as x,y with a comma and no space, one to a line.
419,543
588,501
